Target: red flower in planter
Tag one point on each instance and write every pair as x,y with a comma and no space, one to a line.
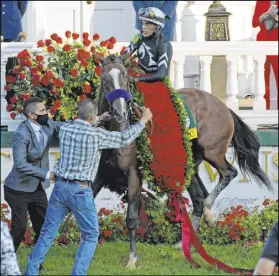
87,88
58,83
83,97
11,79
85,35
7,88
103,43
86,42
13,100
74,72
98,70
12,115
84,63
48,42
59,40
9,107
53,110
68,34
123,50
75,36
39,58
54,36
110,45
96,37
40,67
49,74
50,49
67,48
107,233
21,76
45,81
57,104
112,40
40,44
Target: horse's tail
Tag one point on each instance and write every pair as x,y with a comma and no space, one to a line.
247,145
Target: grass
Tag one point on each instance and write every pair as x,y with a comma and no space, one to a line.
111,258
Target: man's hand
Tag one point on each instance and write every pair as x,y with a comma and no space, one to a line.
146,115
263,16
52,177
105,117
274,15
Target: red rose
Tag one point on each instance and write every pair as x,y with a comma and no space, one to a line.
9,107
49,74
103,43
58,83
45,81
40,44
50,49
74,72
54,91
13,115
54,36
86,55
36,76
26,95
67,47
34,83
48,42
84,63
123,50
68,34
87,88
75,36
98,70
59,40
40,67
96,37
92,49
28,63
86,42
85,35
7,88
34,70
11,79
110,45
83,97
57,103
19,110
21,76
53,110
39,58
22,63
15,70
112,40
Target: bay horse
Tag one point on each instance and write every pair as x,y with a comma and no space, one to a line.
217,127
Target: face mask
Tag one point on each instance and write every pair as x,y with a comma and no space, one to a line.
42,119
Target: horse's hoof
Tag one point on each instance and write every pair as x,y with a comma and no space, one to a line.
209,217
132,262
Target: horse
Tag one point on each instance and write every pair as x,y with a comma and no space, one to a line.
217,128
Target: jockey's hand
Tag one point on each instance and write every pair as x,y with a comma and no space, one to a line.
105,117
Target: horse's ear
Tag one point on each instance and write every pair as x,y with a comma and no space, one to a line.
125,56
98,56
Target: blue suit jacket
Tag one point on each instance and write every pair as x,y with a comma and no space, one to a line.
167,7
11,14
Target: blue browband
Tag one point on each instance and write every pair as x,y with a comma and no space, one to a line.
118,93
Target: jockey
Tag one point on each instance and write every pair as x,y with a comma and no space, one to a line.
153,49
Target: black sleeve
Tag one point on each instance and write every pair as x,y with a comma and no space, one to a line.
270,250
164,58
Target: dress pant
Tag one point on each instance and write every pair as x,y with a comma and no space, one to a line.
20,202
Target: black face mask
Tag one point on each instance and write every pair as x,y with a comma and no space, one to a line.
42,119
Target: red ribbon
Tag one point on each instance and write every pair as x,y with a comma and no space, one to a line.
179,213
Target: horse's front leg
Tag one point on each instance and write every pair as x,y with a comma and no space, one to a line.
134,188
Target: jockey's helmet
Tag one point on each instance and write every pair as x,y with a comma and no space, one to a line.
153,15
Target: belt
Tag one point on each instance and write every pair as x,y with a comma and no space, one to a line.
83,183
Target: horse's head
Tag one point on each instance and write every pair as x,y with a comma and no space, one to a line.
115,86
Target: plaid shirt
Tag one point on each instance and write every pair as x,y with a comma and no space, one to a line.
81,145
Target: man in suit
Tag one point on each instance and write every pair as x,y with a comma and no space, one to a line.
167,7
11,14
24,187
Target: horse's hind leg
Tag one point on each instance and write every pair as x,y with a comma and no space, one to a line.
134,189
227,173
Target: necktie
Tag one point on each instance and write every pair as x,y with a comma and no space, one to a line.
42,140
